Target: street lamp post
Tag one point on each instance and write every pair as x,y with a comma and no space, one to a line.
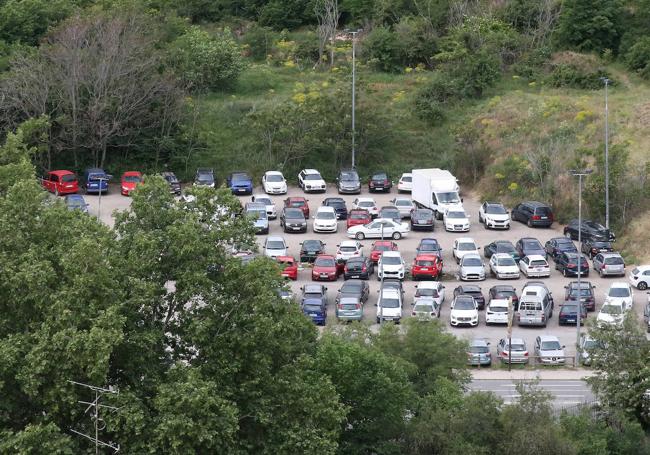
99,203
354,84
606,82
381,286
580,174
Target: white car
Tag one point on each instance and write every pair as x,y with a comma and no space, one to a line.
349,249
464,311
494,215
496,311
463,246
366,203
404,205
503,266
549,350
620,292
429,290
640,277
389,305
426,309
472,268
405,184
274,182
275,246
310,180
391,265
456,220
271,211
611,313
535,265
325,220
379,228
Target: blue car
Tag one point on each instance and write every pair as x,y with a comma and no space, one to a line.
76,202
95,180
314,309
240,183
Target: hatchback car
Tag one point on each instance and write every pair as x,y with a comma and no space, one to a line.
360,267
390,212
391,265
503,267
325,220
240,182
569,313
640,277
354,288
314,291
338,204
429,245
587,347
463,246
60,182
379,181
257,214
473,290
309,249
567,263
586,293
404,205
478,353
549,350
528,246
204,176
535,266
494,215
293,220
422,219
76,202
275,246
463,311
348,182
591,230
533,213
504,291
512,350
174,184
609,264
129,181
405,184
471,268
425,310
349,309
298,203
316,311
358,217
288,267
620,292
496,311
95,180
501,246
310,181
426,266
325,268
389,305
273,182
558,245
366,203
592,247
430,290
271,211
455,220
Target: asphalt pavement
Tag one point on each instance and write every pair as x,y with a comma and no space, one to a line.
567,334
565,393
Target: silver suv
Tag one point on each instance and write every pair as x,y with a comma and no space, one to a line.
609,264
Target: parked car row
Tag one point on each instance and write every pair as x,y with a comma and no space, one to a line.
547,350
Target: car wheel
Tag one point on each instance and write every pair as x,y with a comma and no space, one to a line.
568,235
378,321
564,272
360,236
397,236
530,223
642,286
56,191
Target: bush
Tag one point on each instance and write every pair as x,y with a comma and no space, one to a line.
531,64
475,73
206,62
380,49
569,69
259,41
430,110
637,57
586,25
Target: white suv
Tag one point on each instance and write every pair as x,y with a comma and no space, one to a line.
640,277
391,265
389,305
325,220
494,215
464,311
310,180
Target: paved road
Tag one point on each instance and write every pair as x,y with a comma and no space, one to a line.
565,392
556,283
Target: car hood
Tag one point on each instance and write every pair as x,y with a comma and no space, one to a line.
389,311
320,269
314,182
497,217
392,267
464,313
322,222
609,318
472,269
457,220
535,251
625,301
552,353
507,268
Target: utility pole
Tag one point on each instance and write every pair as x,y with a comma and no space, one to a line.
511,315
580,174
606,82
99,424
354,34
381,287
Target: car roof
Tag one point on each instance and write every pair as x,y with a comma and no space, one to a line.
61,172
494,203
391,253
286,258
535,204
465,240
311,171
535,257
429,285
548,338
619,284
514,340
350,299
470,287
296,198
132,173
429,240
261,195
353,284
205,169
503,255
75,196
610,254
562,240
275,237
471,256
364,211
348,243
273,173
325,208
382,243
407,174
333,199
313,287
365,199
478,342
390,291
423,257
503,287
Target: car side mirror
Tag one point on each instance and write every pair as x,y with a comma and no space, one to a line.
563,346
461,200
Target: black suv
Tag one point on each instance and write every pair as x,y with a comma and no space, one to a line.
338,204
567,263
174,184
533,213
591,230
380,181
559,245
348,182
473,290
205,177
592,247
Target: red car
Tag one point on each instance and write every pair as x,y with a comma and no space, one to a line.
289,267
428,266
130,180
60,182
298,203
357,217
379,247
325,268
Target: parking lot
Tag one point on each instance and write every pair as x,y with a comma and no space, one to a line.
567,334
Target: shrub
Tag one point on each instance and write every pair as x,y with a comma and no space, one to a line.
430,110
637,58
259,41
569,69
586,25
475,73
380,49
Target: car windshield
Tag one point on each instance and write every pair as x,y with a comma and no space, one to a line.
315,176
428,246
274,178
466,246
390,213
96,176
614,261
351,287
240,178
349,177
505,248
619,292
297,203
312,295
312,307
204,177
423,307
365,204
380,176
472,262
311,245
294,213
424,263
423,214
391,260
257,214
612,309
506,261
407,178
67,178
495,210
602,245
539,263
516,347
569,309
583,292
348,248
551,345
264,200
335,203
594,225
275,245
389,303
464,304
590,344
132,178
448,198
531,245
171,178
382,248
479,349
358,216
324,262
426,293
326,215
456,215
76,202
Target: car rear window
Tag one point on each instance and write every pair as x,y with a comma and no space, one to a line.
349,306
315,308
424,263
543,211
358,216
614,261
69,178
297,203
479,349
538,263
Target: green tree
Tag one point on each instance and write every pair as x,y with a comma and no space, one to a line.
637,58
588,26
26,21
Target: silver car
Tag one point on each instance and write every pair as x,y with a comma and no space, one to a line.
609,264
549,351
426,309
472,268
514,352
479,353
349,309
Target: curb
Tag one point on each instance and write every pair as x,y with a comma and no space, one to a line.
529,375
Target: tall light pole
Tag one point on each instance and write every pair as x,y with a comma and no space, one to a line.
580,174
354,89
381,287
606,82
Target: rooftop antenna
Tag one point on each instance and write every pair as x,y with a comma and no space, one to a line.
93,408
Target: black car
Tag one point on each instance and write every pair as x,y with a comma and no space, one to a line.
358,267
558,245
354,288
473,290
591,230
422,219
205,177
309,249
348,182
429,246
504,291
533,213
338,204
567,263
592,247
569,313
390,212
587,295
293,220
528,246
174,184
501,246
380,181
